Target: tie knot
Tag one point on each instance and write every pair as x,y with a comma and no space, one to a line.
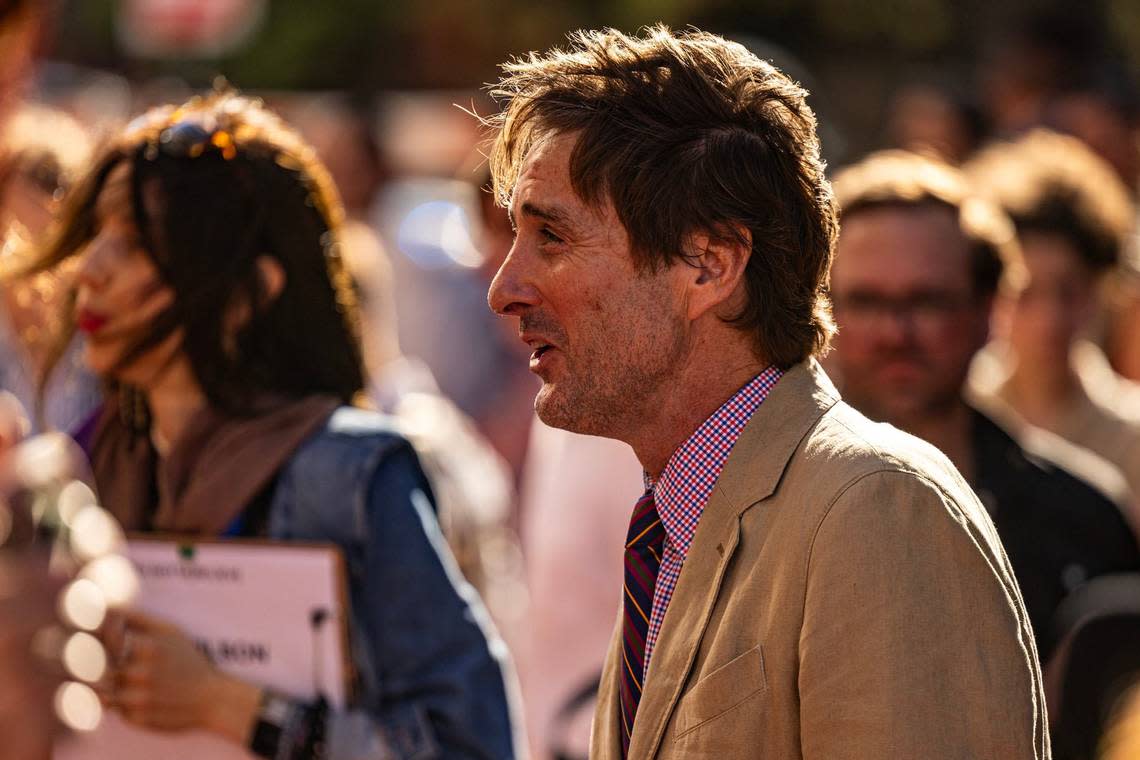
645,527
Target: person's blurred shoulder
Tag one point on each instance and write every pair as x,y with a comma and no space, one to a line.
341,459
357,423
1123,739
350,434
1053,453
1062,459
1103,385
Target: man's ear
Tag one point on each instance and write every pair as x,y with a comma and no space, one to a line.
717,263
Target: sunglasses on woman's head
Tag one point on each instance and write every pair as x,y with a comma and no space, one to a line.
189,138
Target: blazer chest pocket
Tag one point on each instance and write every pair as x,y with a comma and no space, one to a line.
741,678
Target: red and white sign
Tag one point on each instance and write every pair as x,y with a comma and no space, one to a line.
187,28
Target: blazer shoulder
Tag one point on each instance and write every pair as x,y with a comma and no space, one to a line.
845,446
882,478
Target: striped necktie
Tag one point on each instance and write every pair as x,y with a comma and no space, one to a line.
642,561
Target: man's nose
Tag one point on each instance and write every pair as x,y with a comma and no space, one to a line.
513,288
897,326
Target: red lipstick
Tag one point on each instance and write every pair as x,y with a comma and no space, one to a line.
90,322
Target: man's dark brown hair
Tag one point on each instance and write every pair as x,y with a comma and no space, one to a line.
684,133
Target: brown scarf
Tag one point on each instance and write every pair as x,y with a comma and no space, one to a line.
215,469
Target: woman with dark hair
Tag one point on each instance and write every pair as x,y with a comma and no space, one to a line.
216,309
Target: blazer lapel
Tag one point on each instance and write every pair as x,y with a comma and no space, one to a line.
751,474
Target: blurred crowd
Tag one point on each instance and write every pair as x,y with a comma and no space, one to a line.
986,288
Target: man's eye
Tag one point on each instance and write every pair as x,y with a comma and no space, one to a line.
550,236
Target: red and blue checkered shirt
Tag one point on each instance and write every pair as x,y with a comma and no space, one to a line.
687,482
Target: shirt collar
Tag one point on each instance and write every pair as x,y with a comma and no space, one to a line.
687,481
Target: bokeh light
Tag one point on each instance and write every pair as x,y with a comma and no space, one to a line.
78,707
83,605
73,497
116,578
95,533
84,657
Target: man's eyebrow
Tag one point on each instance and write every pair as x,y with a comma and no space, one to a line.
549,213
552,214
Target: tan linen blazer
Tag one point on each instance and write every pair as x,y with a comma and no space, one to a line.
845,596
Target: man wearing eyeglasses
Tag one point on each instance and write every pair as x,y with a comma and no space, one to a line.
917,265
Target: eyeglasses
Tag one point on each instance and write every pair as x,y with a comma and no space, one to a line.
926,311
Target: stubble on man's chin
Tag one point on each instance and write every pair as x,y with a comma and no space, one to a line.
619,390
575,413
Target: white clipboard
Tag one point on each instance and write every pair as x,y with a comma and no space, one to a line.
271,613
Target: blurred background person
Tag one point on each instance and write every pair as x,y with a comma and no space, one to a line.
473,486
575,501
1121,338
215,306
1074,218
1096,665
918,264
1026,58
26,592
342,130
1101,107
935,119
42,152
431,223
21,25
1123,740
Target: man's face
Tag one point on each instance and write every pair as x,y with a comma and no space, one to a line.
1044,319
606,337
909,323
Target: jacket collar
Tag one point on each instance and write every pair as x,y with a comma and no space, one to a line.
690,476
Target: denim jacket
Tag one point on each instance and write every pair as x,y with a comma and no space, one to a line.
431,670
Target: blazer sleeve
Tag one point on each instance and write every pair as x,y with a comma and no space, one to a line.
914,639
